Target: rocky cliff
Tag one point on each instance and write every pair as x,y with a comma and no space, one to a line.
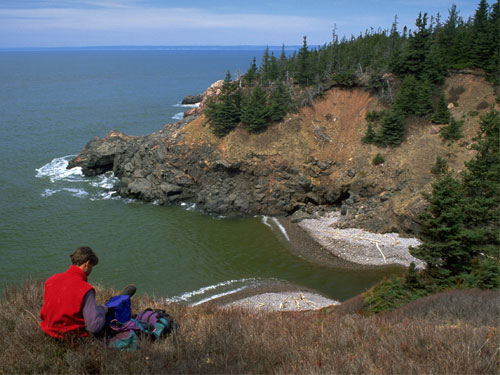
310,162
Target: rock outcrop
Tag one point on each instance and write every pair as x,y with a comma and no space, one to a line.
312,161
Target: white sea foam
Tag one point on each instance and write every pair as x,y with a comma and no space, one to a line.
281,227
57,170
74,182
218,296
105,181
187,105
189,207
265,220
186,297
79,193
178,116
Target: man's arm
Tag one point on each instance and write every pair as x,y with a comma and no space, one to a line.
95,316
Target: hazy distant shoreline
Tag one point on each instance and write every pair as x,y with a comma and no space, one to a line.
152,48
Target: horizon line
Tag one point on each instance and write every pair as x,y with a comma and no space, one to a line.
152,47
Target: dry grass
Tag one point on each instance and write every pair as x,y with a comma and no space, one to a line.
220,341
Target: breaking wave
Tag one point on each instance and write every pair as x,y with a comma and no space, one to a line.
186,105
178,116
73,181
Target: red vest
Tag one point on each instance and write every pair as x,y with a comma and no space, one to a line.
62,310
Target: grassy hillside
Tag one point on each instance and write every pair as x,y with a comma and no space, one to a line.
454,332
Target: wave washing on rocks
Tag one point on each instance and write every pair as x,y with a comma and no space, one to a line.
73,182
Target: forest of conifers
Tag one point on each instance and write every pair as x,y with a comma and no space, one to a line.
420,57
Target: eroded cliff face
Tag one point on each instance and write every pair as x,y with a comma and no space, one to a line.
312,161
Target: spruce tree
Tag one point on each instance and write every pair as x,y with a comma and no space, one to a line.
423,98
393,128
481,181
252,73
442,113
414,97
224,113
418,48
280,102
255,113
441,229
370,135
304,71
482,48
453,131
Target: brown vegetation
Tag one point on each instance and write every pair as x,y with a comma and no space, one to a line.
450,333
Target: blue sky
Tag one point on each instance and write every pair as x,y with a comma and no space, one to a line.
77,23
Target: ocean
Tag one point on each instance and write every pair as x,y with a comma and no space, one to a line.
51,104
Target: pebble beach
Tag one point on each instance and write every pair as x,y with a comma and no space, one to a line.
321,241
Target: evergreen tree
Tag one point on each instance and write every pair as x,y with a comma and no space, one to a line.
434,69
252,74
442,113
255,112
414,97
370,135
423,102
482,48
481,181
441,229
280,102
459,229
283,64
493,64
224,113
304,71
452,132
448,38
418,48
393,128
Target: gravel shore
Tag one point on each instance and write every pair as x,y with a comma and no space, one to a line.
284,301
319,240
360,246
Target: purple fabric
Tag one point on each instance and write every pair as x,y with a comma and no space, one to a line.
95,316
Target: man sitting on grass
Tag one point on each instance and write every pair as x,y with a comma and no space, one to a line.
69,307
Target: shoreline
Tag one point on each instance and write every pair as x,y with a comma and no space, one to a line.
278,296
320,241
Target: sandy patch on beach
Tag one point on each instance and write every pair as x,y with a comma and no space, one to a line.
360,246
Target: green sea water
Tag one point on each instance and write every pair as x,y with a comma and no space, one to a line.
51,104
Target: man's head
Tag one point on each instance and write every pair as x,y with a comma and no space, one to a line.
85,259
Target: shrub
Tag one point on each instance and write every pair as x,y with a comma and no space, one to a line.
387,295
370,135
453,131
378,159
441,167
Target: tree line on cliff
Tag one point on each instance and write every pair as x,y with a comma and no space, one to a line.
421,58
459,228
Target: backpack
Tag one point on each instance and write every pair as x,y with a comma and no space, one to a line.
119,308
124,336
156,323
149,323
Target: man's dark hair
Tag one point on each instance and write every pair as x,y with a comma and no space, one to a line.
82,254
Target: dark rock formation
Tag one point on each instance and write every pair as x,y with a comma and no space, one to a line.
192,99
161,167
